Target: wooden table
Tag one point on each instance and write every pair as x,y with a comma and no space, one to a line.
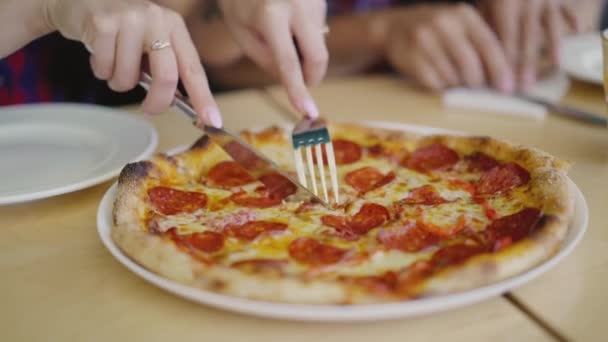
59,283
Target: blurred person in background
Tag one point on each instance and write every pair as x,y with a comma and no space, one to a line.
118,33
504,44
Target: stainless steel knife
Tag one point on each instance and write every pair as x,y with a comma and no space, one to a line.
242,152
568,112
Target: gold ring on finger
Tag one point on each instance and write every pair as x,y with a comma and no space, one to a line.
159,45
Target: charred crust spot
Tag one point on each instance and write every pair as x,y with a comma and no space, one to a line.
525,156
171,159
482,141
202,143
134,171
545,220
393,137
217,285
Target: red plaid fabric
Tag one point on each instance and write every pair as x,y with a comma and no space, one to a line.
337,7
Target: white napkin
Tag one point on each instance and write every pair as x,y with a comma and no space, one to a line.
551,88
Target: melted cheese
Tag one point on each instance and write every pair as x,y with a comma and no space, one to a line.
512,202
275,245
378,263
447,216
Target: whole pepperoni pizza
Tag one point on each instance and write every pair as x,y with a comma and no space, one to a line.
419,216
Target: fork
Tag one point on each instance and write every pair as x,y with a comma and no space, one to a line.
311,134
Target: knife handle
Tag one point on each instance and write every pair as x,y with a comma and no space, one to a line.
179,100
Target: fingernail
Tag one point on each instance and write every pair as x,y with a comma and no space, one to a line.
309,108
528,78
557,58
507,85
214,117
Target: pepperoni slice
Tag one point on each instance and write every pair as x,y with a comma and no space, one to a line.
480,161
455,254
253,229
305,207
341,226
368,178
459,184
278,186
432,157
243,155
171,201
207,241
424,195
247,200
229,174
389,177
370,216
338,222
376,150
452,230
385,283
410,239
400,283
510,229
312,252
364,179
502,178
346,151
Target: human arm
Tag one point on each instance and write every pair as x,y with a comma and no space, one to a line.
119,33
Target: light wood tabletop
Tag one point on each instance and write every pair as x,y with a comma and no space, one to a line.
59,283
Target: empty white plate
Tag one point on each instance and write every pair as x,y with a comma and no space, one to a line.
582,57
52,149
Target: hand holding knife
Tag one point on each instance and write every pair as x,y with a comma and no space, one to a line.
241,152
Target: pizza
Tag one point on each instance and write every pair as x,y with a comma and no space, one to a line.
420,216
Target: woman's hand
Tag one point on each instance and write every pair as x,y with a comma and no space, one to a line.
445,46
266,29
120,32
526,27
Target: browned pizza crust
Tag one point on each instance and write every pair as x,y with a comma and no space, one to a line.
548,182
553,187
163,257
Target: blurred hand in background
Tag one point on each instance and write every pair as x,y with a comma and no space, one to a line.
501,44
443,46
530,31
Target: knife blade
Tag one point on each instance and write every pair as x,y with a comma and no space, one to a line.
568,112
256,164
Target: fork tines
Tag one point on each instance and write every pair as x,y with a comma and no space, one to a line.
309,134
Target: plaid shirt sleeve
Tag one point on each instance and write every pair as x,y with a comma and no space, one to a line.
337,7
23,76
